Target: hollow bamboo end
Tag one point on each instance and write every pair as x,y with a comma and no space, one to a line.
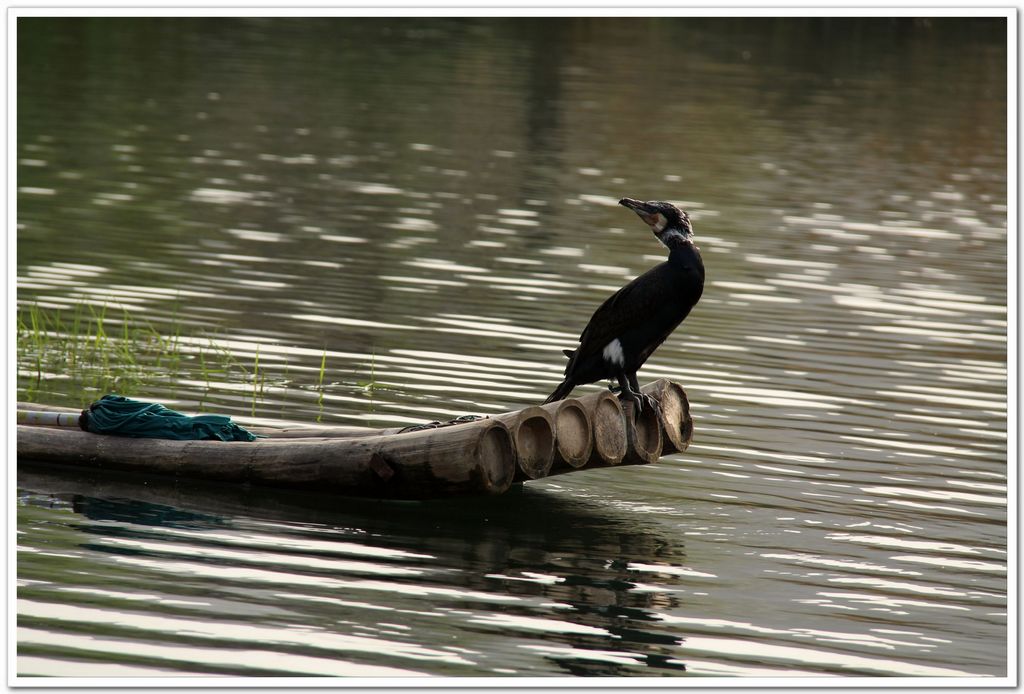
610,443
574,436
496,458
676,423
533,431
645,440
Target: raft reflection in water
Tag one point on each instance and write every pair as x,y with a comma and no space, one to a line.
475,565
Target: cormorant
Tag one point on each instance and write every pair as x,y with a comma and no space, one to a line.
626,329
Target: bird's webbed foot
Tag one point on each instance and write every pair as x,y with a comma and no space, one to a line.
650,402
643,400
639,399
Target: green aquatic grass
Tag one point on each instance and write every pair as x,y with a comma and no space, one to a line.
85,346
257,381
87,350
320,385
371,385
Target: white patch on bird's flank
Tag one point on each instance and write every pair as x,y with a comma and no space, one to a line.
613,353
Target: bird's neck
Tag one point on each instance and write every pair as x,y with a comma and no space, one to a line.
683,253
676,238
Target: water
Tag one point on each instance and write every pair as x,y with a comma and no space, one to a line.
428,207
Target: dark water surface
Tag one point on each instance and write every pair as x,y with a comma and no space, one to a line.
427,209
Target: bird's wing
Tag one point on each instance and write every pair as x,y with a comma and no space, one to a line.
624,309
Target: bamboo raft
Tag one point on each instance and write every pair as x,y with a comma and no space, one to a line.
484,456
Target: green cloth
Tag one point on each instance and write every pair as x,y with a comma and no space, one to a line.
116,414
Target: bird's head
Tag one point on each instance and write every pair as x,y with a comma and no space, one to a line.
667,221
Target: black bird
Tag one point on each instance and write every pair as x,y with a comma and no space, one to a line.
633,322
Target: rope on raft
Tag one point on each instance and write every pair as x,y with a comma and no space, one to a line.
436,425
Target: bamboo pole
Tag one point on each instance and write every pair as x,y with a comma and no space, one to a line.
574,434
643,435
40,418
303,431
472,458
273,431
609,429
45,408
676,423
533,431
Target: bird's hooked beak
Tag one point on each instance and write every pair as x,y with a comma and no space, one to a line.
649,213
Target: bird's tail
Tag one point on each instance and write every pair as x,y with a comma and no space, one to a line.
563,390
566,386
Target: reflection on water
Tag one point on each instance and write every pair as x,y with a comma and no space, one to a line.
427,208
532,565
